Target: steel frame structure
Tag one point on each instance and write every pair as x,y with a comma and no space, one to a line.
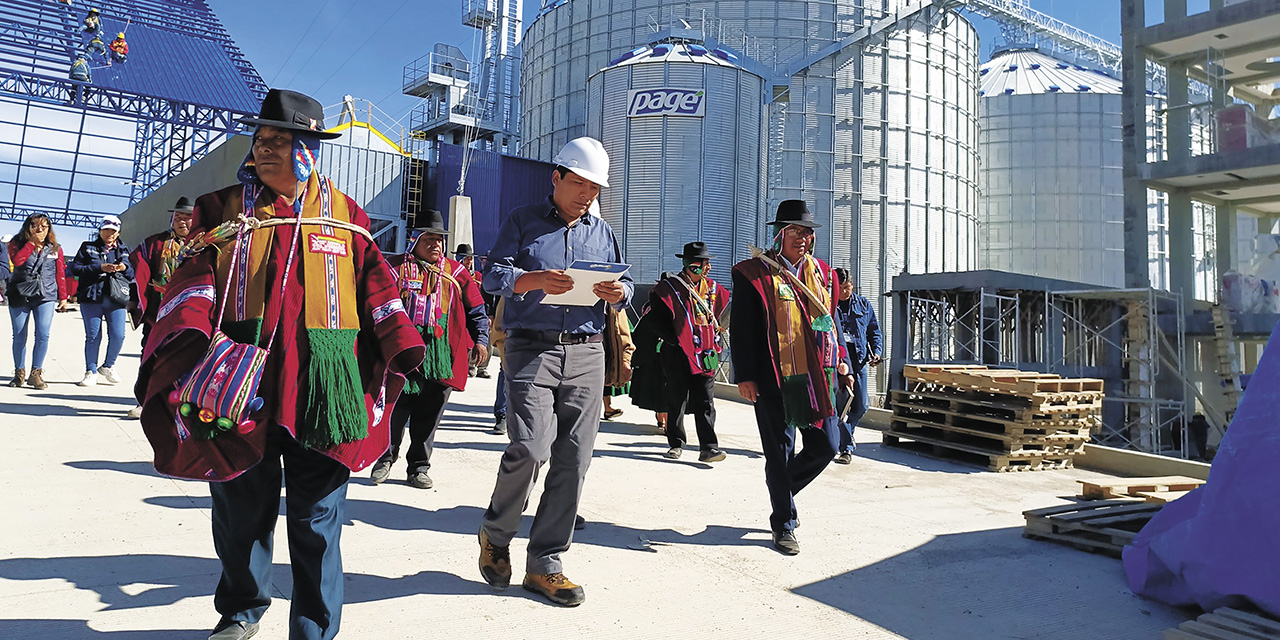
41,40
1134,337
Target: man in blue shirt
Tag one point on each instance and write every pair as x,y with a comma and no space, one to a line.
862,335
553,361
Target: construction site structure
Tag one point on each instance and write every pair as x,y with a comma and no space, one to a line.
1135,340
74,149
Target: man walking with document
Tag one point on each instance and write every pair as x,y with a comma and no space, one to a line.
553,362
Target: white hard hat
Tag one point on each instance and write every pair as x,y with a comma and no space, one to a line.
587,158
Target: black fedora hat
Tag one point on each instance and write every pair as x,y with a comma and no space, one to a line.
695,251
285,109
795,212
464,250
429,221
183,206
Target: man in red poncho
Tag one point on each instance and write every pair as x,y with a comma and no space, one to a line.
443,302
296,273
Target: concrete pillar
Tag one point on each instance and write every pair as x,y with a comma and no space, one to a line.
1226,236
1178,144
1133,116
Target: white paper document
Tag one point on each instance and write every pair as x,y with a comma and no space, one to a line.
586,274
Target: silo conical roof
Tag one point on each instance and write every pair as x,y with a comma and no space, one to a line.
1024,71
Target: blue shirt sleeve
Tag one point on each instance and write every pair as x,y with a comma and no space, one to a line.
501,274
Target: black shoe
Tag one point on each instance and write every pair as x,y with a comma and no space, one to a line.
844,458
711,455
499,426
673,453
234,630
579,523
420,480
482,373
381,469
785,542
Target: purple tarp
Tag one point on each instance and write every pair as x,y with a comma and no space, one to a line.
1220,544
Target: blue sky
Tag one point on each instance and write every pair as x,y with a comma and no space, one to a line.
328,48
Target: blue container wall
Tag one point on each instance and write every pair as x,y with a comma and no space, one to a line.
496,184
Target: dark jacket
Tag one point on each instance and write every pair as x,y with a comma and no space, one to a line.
27,261
861,329
88,268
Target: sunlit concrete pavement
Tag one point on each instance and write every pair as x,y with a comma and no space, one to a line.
97,544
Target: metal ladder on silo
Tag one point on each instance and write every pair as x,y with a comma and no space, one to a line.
1228,363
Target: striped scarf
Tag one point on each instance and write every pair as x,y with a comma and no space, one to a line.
334,411
428,293
806,356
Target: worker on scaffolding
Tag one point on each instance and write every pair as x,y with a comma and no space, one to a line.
119,48
80,69
92,23
96,46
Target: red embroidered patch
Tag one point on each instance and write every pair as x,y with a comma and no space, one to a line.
327,245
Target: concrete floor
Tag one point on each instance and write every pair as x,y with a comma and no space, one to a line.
894,546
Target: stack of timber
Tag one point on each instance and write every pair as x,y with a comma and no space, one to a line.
1001,419
1227,624
1157,490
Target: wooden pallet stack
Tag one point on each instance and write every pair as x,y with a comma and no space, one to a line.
1002,419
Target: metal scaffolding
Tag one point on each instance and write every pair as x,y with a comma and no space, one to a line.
1134,339
75,149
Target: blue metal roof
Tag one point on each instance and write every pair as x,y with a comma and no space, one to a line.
175,66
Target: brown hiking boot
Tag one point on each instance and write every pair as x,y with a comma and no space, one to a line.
555,587
36,381
495,562
18,376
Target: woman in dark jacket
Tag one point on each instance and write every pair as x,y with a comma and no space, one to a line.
98,262
34,254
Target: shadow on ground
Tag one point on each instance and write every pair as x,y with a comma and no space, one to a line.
465,520
27,628
996,584
912,459
42,409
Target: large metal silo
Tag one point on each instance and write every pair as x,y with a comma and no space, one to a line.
683,129
1053,196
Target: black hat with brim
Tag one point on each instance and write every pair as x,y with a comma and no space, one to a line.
293,111
183,206
695,251
430,221
795,212
464,250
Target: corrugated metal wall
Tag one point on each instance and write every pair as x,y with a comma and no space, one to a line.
677,179
496,184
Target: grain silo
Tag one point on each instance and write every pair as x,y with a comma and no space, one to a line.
1053,193
683,128
875,128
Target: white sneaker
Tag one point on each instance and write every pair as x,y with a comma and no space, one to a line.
109,374
90,379
135,413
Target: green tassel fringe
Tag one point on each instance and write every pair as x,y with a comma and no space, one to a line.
439,362
244,331
335,412
413,383
797,401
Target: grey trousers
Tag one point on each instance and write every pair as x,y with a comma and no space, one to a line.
554,403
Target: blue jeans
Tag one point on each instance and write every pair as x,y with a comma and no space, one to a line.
861,402
21,317
245,510
93,314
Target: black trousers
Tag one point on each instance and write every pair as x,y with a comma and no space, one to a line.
693,394
785,471
421,413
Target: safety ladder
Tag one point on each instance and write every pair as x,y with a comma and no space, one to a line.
1228,362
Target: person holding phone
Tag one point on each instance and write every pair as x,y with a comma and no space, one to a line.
100,265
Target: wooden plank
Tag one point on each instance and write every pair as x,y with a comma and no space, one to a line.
993,443
896,429
1258,621
1244,629
1103,489
1000,462
1160,497
1017,409
996,422
1210,632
